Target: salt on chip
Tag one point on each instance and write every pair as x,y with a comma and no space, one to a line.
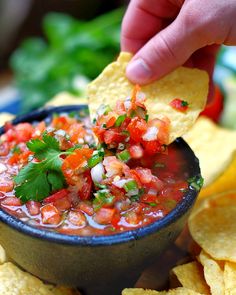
190,85
214,146
214,275
15,281
230,278
177,291
190,275
214,229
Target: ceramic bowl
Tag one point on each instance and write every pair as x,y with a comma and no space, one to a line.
98,265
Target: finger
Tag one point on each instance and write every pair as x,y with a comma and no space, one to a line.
205,59
143,20
167,50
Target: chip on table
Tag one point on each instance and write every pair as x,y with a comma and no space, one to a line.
216,149
189,85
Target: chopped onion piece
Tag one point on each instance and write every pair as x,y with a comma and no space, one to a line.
151,134
132,192
3,168
97,172
120,183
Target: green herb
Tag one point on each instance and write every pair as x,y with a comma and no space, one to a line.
131,185
102,197
152,204
120,120
184,103
125,132
99,185
196,182
37,180
146,117
74,53
159,165
94,160
124,156
16,150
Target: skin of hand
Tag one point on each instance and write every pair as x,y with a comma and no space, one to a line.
165,34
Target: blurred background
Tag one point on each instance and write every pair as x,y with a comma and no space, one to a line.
53,46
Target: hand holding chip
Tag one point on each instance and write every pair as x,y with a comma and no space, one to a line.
166,34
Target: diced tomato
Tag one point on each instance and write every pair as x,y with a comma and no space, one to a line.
104,215
4,149
11,201
132,218
77,218
214,109
76,131
6,186
24,132
50,214
113,136
152,147
13,159
163,127
155,184
62,204
60,122
137,127
33,207
115,220
85,192
58,195
145,175
86,208
120,108
77,159
179,104
136,151
38,130
148,198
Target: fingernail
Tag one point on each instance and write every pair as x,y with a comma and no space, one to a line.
138,71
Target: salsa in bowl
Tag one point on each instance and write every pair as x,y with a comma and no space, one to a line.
55,176
62,252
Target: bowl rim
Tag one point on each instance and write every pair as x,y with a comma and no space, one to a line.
102,240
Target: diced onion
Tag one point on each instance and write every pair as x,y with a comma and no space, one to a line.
151,134
3,168
97,172
60,132
127,104
120,183
132,192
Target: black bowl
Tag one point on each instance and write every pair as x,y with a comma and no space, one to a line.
97,264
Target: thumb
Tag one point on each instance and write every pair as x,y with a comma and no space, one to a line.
166,51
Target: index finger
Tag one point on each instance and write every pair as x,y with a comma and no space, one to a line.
143,20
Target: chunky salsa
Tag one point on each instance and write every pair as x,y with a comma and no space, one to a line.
54,176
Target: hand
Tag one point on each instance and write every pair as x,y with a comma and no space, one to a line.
164,34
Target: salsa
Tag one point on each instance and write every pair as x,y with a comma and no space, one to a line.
55,176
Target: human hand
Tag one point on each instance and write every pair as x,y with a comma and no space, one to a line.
164,34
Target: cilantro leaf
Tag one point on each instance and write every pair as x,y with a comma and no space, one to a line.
36,181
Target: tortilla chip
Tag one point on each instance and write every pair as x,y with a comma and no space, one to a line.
65,98
14,281
230,278
190,275
226,181
191,85
214,275
215,147
4,117
214,229
178,291
3,257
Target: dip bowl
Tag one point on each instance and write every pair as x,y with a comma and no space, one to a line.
97,265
